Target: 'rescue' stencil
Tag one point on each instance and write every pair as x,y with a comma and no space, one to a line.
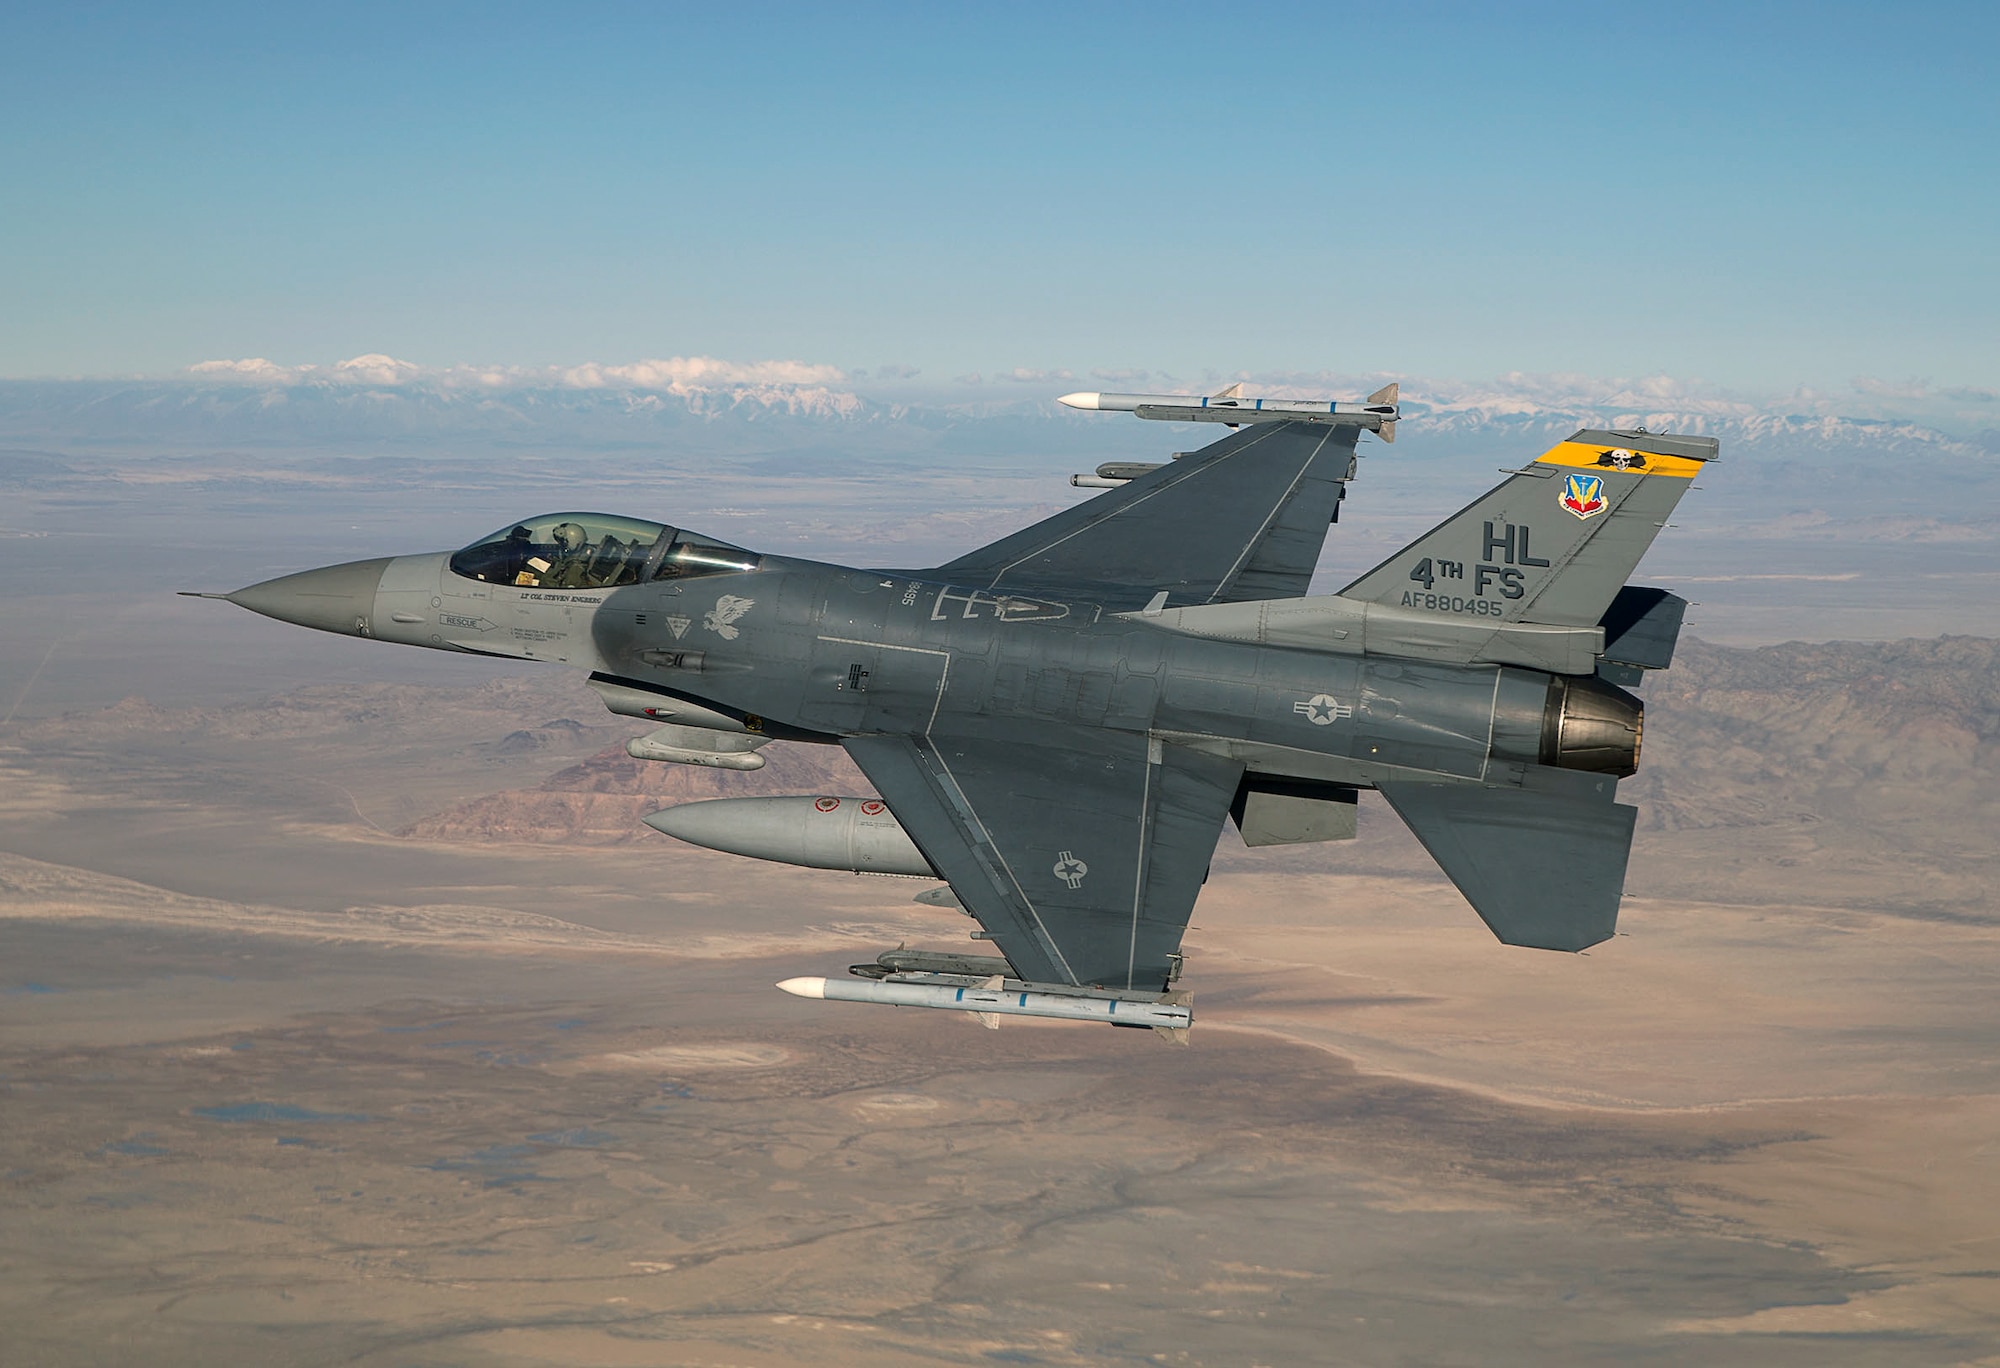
679,626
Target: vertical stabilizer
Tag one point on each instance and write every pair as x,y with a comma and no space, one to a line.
1555,542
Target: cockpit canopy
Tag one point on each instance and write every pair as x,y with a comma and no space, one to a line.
595,551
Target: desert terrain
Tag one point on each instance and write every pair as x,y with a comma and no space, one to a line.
363,1024
348,1015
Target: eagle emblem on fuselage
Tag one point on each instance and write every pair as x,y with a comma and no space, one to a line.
721,619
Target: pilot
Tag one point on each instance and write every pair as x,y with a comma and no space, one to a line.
572,557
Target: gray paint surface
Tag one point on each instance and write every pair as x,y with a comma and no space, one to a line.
1063,746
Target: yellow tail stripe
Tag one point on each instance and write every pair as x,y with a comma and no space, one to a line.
1597,457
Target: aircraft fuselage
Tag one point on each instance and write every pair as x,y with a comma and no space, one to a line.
813,651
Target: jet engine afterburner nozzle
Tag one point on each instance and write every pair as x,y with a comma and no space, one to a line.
1593,726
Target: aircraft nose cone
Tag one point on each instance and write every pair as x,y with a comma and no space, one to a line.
334,598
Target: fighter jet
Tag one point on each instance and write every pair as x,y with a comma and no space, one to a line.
1059,723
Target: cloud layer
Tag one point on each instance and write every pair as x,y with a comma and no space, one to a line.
674,373
710,385
702,381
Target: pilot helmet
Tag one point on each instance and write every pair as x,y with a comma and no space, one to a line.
569,537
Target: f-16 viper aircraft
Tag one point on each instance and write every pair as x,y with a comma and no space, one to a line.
1059,723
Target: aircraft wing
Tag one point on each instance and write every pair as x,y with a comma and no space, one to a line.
1079,850
1243,518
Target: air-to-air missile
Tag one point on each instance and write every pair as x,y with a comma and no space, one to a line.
1060,722
1377,413
991,998
861,836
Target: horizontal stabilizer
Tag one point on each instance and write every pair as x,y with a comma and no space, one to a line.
1544,870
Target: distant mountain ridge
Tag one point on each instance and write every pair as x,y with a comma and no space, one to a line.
591,406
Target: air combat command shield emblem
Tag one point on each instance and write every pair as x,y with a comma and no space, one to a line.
1583,495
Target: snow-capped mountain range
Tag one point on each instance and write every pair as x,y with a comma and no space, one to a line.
378,399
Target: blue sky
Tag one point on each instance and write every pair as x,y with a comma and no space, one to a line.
1758,195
